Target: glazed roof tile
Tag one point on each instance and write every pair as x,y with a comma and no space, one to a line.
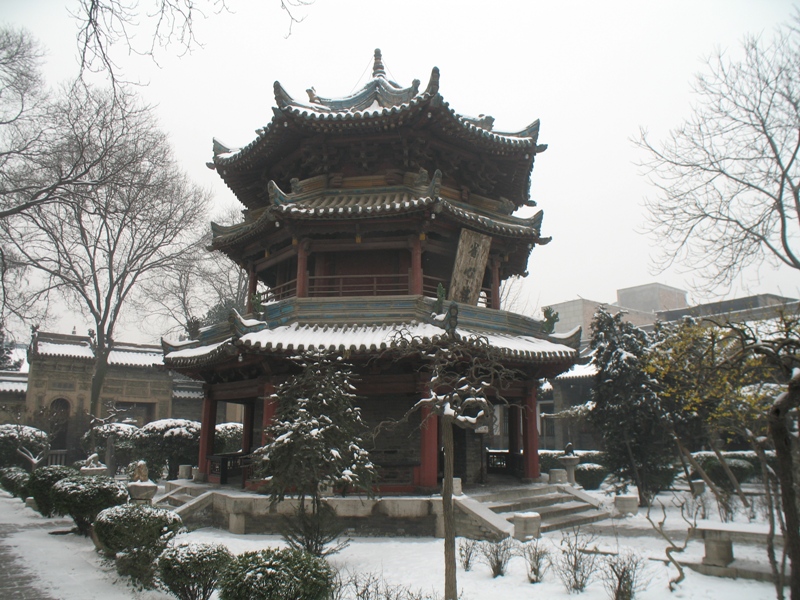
359,339
333,204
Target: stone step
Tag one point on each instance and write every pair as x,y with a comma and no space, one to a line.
574,520
529,503
511,494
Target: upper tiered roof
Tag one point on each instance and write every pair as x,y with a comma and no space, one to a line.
402,128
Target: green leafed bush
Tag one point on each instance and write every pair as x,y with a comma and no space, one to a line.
41,483
82,498
15,481
135,535
167,443
135,526
123,441
272,574
190,571
590,475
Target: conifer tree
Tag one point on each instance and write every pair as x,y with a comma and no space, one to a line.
626,411
316,442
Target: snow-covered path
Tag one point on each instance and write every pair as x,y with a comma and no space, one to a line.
66,567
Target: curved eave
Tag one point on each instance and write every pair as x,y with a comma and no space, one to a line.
200,356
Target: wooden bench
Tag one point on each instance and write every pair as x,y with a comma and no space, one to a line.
719,537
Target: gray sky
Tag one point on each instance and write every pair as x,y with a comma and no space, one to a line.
593,72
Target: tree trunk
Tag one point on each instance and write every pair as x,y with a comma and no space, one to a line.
783,439
450,584
98,377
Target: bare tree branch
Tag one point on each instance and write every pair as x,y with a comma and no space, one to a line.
728,179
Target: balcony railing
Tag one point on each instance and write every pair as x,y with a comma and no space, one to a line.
358,285
337,286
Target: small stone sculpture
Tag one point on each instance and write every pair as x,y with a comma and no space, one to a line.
140,472
569,450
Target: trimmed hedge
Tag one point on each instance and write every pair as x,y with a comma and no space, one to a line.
15,480
190,571
82,498
273,574
135,535
590,475
123,441
41,483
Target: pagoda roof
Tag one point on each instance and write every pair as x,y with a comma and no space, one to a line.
381,106
293,326
358,204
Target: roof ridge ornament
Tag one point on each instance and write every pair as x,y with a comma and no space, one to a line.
378,69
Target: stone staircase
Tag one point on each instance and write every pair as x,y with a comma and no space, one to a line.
560,506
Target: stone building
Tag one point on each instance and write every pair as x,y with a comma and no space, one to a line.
358,211
54,394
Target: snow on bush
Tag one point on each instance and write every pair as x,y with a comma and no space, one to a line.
134,535
41,483
15,480
167,443
82,498
123,441
228,438
590,475
17,436
273,574
190,571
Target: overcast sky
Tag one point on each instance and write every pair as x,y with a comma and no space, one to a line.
592,72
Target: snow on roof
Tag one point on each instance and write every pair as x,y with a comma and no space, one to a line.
73,350
135,357
364,338
187,394
13,382
579,371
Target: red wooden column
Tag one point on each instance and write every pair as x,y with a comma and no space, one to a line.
429,449
416,267
207,424
302,269
270,404
530,435
495,266
247,426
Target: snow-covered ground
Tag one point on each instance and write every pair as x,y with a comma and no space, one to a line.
67,567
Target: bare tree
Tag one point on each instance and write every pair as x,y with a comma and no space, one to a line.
200,289
467,374
104,24
133,215
728,178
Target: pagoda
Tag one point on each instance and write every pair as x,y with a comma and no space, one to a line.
364,216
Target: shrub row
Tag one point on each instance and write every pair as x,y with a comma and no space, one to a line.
15,480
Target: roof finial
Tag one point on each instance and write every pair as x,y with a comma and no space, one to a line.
377,66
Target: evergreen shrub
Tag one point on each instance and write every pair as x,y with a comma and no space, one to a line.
590,475
41,483
548,460
228,438
15,436
190,571
740,468
15,481
82,498
272,574
123,441
167,443
135,535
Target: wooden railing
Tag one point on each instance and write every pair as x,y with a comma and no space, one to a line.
323,286
337,286
226,466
